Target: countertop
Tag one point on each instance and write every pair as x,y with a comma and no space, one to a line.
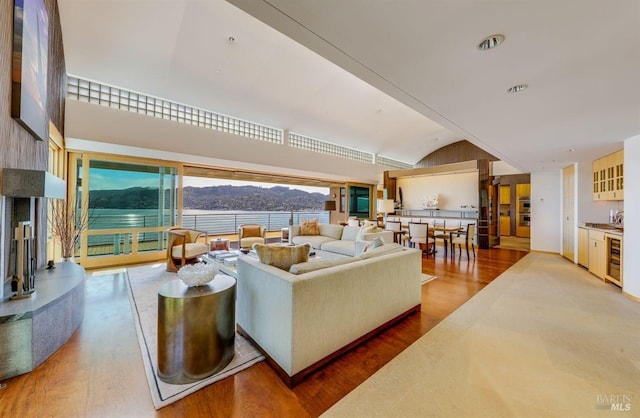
608,228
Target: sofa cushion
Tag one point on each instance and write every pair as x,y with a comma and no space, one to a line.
340,247
349,233
381,250
309,227
331,230
316,241
282,256
314,265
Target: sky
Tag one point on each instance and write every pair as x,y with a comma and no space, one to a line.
105,179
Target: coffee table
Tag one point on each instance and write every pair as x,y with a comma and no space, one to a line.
228,270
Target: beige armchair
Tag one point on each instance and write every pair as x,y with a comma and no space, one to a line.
183,247
250,234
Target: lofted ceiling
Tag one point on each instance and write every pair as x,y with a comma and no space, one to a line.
396,78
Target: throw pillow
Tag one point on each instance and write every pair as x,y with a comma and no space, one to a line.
309,227
367,229
282,256
251,231
376,242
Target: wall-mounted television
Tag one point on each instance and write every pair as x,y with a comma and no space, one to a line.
29,67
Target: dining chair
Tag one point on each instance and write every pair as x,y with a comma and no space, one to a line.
466,238
396,227
440,232
353,222
419,234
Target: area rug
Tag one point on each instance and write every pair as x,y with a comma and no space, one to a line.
427,278
143,284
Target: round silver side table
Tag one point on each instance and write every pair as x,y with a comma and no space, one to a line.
196,329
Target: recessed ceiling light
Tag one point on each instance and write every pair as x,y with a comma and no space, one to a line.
571,149
231,39
490,42
517,88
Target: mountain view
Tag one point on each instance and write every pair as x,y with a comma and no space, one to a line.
226,197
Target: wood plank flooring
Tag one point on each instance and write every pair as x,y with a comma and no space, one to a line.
99,372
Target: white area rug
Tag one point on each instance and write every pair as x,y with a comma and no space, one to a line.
143,284
427,278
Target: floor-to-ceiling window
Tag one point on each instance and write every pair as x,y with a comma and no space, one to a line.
129,204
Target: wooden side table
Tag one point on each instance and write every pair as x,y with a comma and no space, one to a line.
196,329
219,244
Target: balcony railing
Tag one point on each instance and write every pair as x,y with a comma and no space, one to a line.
104,240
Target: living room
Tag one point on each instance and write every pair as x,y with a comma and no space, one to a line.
102,130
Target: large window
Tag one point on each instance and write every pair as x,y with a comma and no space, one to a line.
129,205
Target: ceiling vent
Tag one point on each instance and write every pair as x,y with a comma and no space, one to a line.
491,42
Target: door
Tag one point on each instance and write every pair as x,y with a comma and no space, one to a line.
568,212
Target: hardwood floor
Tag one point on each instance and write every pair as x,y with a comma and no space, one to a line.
99,372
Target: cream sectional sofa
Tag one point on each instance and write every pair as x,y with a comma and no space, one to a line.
345,240
302,321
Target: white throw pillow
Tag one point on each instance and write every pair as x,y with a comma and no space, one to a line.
376,242
367,229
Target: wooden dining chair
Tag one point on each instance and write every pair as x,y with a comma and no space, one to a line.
439,232
466,238
419,234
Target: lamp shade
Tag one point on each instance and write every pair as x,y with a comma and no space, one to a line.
386,206
330,205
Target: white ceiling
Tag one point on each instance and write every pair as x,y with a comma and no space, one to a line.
581,59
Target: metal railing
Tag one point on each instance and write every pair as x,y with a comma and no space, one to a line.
213,223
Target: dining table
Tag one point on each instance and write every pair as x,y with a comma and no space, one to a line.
450,230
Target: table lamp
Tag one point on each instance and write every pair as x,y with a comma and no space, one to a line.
386,206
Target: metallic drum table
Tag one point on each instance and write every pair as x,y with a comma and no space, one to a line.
196,329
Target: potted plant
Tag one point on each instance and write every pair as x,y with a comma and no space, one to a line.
67,223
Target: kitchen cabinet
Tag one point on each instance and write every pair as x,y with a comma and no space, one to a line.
583,247
505,195
505,226
505,210
608,177
597,253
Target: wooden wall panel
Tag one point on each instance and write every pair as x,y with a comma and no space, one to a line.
454,153
18,149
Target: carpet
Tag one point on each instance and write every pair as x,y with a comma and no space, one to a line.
545,339
143,284
427,278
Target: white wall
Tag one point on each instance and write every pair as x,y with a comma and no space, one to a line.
454,190
546,213
631,241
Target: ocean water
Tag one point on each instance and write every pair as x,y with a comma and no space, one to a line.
213,222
